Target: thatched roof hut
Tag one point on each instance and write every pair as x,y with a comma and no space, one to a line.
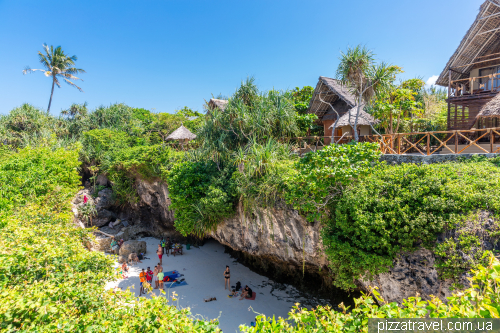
330,91
491,109
215,103
348,119
478,42
182,133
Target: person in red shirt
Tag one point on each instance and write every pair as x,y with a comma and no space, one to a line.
149,276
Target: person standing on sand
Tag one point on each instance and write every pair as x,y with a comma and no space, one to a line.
155,276
227,275
159,252
142,277
160,277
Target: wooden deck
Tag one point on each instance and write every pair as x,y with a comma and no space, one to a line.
474,141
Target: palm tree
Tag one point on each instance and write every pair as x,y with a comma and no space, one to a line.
363,77
57,65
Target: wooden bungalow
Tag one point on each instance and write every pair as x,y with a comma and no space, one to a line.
472,75
331,93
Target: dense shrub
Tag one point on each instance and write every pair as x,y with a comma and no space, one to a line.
395,208
201,194
481,300
322,176
49,282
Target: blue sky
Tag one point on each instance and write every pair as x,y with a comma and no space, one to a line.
162,55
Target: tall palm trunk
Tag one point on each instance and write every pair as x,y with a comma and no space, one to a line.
51,93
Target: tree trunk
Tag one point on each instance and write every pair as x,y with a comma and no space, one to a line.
51,93
390,124
355,129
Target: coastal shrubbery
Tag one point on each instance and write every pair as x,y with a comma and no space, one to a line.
481,300
49,281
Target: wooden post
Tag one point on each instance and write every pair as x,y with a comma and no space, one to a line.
456,142
399,143
471,85
428,144
492,137
449,83
491,82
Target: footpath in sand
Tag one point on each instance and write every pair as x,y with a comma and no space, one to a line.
203,270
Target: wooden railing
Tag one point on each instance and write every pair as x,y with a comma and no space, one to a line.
485,140
464,87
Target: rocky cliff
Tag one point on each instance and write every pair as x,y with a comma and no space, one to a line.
278,242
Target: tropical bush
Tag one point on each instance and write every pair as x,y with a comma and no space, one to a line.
481,300
396,208
49,281
201,195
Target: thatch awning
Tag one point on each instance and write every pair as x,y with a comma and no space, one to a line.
217,103
481,38
349,118
491,109
331,91
182,133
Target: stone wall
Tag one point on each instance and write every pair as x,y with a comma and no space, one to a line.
424,159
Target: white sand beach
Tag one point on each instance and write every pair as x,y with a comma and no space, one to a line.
203,269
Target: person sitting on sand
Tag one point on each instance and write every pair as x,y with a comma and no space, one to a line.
233,293
114,245
247,293
133,257
124,267
120,243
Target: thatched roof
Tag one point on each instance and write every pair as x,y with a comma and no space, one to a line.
350,117
182,133
217,103
491,109
331,91
479,40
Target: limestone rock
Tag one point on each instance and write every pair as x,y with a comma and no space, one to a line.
102,180
122,259
104,199
103,217
133,246
103,244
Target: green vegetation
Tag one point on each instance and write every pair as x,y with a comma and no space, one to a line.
481,300
396,208
369,211
49,281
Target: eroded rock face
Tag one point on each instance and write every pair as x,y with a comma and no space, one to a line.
279,234
412,274
132,246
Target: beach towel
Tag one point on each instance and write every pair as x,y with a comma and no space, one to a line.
175,284
253,296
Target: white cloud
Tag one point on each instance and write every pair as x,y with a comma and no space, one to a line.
431,81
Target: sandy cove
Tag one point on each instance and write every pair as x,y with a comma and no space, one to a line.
203,269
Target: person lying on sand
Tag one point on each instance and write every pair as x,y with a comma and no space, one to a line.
210,299
247,293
